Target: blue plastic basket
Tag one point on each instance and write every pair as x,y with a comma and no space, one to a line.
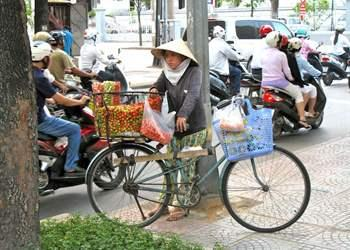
255,140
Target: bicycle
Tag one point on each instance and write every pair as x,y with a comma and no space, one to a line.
264,194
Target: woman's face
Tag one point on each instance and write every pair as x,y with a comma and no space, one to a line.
173,59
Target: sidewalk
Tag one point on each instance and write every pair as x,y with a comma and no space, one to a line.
324,225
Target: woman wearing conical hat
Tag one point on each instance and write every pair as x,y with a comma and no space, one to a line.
181,78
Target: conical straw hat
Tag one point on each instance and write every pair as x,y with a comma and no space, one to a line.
178,46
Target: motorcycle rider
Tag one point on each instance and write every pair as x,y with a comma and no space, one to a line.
51,125
90,55
275,70
220,53
339,42
46,37
61,63
256,60
309,91
307,48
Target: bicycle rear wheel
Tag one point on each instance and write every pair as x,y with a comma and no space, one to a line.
143,186
271,197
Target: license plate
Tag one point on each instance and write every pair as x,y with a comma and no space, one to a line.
325,69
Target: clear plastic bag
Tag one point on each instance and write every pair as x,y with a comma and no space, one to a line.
231,118
157,126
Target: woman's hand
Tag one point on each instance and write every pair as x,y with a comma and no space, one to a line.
153,92
181,124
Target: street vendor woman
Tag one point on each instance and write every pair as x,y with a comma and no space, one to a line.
181,80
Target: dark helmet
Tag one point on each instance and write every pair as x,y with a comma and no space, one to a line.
264,30
58,35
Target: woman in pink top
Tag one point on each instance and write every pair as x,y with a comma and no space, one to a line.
276,73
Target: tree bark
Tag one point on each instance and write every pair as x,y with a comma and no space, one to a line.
41,15
274,8
19,222
138,6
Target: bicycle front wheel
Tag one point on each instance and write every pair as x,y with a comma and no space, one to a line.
267,193
143,186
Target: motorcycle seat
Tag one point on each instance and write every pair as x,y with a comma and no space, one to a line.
276,89
46,137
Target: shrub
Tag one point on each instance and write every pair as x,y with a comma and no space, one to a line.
100,233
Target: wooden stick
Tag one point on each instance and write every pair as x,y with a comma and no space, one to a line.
167,156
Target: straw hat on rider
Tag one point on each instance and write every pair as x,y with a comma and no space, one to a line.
178,46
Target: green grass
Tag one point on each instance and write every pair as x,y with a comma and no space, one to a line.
98,234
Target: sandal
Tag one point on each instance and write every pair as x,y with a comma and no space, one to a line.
176,215
312,115
304,124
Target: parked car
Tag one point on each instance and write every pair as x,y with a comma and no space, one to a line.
244,33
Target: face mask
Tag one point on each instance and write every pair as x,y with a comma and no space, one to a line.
46,62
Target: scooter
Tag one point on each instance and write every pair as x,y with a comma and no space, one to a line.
52,154
110,72
285,117
335,69
219,86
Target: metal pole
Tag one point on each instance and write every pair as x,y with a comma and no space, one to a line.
156,61
197,40
332,16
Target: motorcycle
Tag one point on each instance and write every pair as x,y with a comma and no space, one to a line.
110,72
219,89
52,153
285,117
335,68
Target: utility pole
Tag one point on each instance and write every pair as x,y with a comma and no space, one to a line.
332,15
197,40
156,61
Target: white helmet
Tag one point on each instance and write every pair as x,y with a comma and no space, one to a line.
219,31
340,27
295,43
90,35
272,39
40,50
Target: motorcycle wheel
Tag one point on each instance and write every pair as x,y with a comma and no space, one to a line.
277,125
328,79
318,121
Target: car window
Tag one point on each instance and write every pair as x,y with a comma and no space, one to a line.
247,29
282,28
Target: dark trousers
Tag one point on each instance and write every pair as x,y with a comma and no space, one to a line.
235,79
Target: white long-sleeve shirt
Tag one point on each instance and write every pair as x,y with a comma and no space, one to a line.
89,56
341,43
257,52
219,54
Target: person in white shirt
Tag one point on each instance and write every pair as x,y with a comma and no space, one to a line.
257,52
220,53
339,42
90,55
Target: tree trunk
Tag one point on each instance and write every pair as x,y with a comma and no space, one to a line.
274,9
41,15
140,26
252,8
19,222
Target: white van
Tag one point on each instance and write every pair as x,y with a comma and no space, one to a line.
244,33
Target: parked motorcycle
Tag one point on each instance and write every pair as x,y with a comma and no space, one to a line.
335,69
52,154
285,117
